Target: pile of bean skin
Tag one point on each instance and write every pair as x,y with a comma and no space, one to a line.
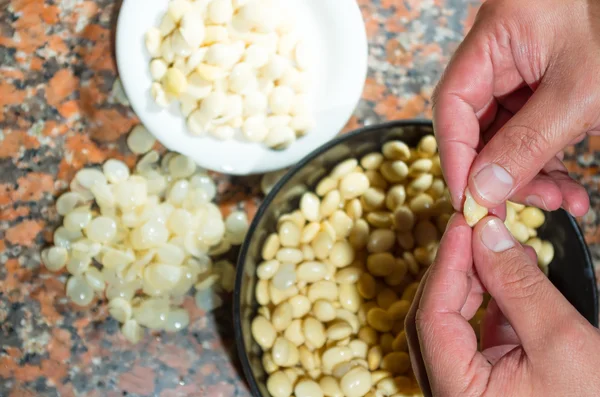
339,275
233,65
143,239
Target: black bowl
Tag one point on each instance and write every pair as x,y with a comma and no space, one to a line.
571,270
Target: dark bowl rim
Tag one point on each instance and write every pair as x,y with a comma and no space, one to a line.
237,315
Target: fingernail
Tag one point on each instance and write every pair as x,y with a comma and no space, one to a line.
495,236
493,183
536,201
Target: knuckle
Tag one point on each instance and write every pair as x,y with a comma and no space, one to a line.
521,280
525,144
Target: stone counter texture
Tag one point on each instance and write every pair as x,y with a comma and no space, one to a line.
62,107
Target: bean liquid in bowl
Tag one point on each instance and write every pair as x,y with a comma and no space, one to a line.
334,260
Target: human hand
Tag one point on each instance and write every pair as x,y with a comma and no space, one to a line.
534,343
522,86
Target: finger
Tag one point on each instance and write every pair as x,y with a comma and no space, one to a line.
464,94
542,192
448,343
495,328
530,253
516,153
575,198
499,211
523,294
414,348
474,298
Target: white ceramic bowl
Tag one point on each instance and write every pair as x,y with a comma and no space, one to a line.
335,32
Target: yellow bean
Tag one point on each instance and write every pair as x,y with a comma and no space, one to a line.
330,386
282,316
279,385
396,150
270,247
381,240
289,234
263,332
396,362
380,264
323,289
314,332
338,331
323,310
380,219
333,356
342,254
546,254
371,161
350,298
379,319
400,342
326,185
300,306
472,210
399,309
366,286
359,235
376,179
404,219
348,275
330,203
368,335
532,217
385,341
386,298
374,357
356,382
308,388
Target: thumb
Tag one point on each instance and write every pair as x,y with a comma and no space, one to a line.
521,148
531,304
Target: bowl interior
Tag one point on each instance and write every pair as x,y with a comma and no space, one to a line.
571,270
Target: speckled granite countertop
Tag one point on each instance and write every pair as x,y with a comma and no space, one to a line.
62,107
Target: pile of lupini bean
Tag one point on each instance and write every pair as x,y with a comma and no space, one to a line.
232,65
339,275
143,239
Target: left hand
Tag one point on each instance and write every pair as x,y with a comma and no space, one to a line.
534,343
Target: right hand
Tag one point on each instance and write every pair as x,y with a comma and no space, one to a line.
523,85
533,342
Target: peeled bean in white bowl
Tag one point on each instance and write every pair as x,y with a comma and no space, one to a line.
214,104
158,68
281,100
275,68
254,128
242,78
256,55
159,95
222,55
255,102
280,137
234,106
179,45
220,11
198,87
192,29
